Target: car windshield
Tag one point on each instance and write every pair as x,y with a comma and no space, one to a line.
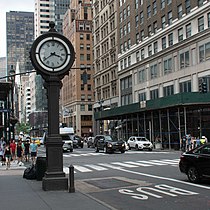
109,138
141,139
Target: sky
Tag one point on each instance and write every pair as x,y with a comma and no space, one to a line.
11,5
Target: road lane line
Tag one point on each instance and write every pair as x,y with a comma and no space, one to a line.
161,162
151,163
128,165
81,168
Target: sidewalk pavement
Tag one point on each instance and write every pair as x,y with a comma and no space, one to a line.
19,194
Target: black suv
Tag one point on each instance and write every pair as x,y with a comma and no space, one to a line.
78,141
108,144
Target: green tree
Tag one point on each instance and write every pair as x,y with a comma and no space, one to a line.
24,127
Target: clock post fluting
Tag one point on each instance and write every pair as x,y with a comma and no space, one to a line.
52,55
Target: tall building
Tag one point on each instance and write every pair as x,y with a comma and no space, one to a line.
20,36
105,51
3,65
77,96
163,58
45,11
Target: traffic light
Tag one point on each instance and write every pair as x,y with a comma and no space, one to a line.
203,87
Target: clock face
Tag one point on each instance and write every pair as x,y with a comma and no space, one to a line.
53,54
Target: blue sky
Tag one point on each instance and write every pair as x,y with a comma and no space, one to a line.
11,5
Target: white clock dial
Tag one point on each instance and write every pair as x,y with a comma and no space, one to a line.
53,54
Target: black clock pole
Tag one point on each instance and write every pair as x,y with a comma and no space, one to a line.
54,178
53,61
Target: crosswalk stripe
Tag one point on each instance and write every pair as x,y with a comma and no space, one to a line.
82,168
171,161
138,164
109,166
161,162
66,170
97,168
151,162
124,164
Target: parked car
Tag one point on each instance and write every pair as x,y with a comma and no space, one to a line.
90,142
196,163
108,144
139,143
78,141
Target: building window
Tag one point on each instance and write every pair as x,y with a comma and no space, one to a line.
155,27
81,46
121,17
154,7
129,60
180,34
136,20
204,52
179,11
124,14
128,27
142,97
142,54
163,42
142,35
90,107
141,17
169,2
155,47
167,67
125,63
154,94
136,4
82,57
142,76
163,21
87,36
162,4
121,64
187,5
200,3
82,107
208,20
170,39
149,50
149,11
184,59
168,90
149,30
137,38
88,57
124,30
170,18
153,71
185,87
188,30
83,97
81,36
128,10
137,56
200,24
129,43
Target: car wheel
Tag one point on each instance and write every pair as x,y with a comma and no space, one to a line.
193,175
123,151
137,147
96,149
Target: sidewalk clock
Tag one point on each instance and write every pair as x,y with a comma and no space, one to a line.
52,55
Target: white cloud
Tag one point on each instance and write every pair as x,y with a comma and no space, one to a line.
11,5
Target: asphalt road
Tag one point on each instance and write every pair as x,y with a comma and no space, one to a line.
136,180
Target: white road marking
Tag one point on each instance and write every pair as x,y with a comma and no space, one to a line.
81,168
151,163
128,165
109,166
139,163
97,168
161,162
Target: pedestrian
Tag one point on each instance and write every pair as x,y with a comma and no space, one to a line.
34,150
2,148
184,143
198,141
13,149
188,142
7,155
203,140
26,150
19,150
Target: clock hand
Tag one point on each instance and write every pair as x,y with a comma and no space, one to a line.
51,54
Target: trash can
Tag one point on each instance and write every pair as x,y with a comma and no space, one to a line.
41,167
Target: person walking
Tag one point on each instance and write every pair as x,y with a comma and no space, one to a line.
26,150
19,150
203,140
34,150
2,148
7,156
13,149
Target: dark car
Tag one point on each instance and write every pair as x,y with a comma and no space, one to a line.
67,143
78,141
108,144
196,163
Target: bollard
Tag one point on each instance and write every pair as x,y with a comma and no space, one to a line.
71,179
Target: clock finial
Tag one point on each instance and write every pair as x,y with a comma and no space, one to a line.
52,26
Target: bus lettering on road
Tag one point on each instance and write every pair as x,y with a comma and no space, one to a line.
157,192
